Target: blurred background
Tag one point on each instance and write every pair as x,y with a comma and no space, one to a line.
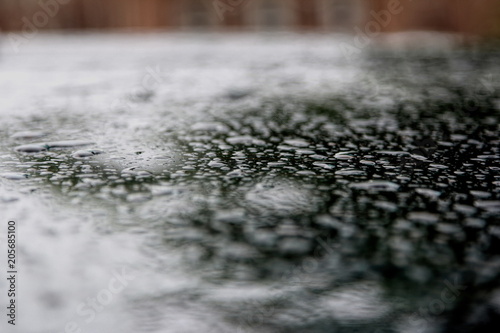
470,18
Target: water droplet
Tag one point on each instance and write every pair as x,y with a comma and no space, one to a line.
13,175
491,206
297,143
384,186
423,217
28,135
344,155
350,172
87,153
31,148
243,140
428,193
392,153
294,246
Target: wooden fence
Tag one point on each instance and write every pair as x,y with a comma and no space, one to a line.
479,17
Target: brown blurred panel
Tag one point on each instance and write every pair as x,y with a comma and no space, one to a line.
233,21
167,13
306,12
71,15
14,11
270,13
481,17
436,15
172,13
129,14
234,13
342,15
463,16
7,6
196,14
135,12
94,14
403,20
117,16
147,13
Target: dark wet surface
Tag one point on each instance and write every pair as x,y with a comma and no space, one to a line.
374,208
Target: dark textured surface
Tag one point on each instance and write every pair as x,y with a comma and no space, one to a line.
364,198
